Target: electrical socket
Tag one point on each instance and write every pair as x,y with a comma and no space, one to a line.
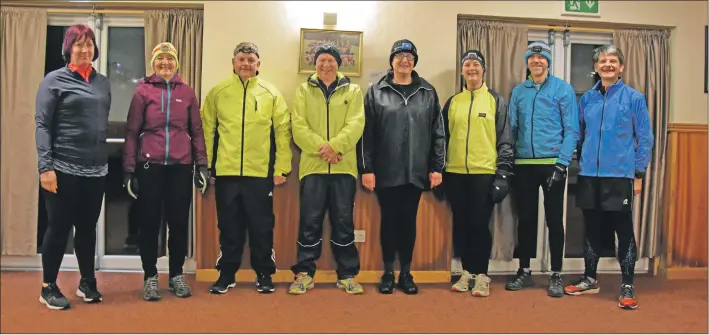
359,236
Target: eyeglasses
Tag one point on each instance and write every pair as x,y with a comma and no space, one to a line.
402,56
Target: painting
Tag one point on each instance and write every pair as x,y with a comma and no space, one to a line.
349,43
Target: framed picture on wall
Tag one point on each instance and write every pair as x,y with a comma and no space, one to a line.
348,43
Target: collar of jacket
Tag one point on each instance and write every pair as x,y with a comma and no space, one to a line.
481,90
615,86
529,83
155,79
387,79
252,80
342,80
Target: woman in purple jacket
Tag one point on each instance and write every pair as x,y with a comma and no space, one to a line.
163,153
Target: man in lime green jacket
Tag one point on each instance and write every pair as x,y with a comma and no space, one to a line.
247,135
328,121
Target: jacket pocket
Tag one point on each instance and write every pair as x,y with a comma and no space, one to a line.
180,147
150,148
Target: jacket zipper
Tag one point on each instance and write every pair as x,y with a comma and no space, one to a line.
243,115
534,104
406,101
467,136
167,125
600,134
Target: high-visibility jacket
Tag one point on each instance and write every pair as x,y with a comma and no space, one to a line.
478,133
246,129
337,120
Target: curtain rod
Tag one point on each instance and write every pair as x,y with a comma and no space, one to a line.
91,11
560,28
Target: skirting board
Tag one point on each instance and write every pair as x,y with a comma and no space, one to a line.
687,273
326,276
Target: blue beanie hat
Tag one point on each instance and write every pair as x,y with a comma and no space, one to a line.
538,47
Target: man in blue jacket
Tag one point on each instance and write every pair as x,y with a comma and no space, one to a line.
616,147
544,122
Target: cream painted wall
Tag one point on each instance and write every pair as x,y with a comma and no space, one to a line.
275,27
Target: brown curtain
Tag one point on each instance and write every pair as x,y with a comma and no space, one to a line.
183,28
24,38
647,69
503,45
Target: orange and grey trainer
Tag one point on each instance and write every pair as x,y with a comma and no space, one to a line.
627,299
582,286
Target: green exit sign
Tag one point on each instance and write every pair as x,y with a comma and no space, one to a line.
582,7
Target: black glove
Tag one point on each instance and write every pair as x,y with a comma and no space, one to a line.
130,182
201,178
558,175
500,187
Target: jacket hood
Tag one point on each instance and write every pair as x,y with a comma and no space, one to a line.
388,78
155,79
341,80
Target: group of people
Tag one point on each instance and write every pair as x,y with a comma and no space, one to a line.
395,137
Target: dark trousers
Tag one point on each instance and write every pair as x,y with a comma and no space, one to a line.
165,191
471,204
77,204
527,180
607,208
336,195
245,205
399,206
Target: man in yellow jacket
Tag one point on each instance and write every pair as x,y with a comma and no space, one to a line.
328,121
247,135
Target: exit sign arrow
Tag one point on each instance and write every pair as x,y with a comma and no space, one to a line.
581,7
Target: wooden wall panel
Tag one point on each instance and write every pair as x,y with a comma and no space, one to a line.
685,221
434,233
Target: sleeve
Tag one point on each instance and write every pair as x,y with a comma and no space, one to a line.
134,126
582,127
514,118
45,107
570,123
366,148
346,140
505,153
282,130
642,129
446,122
208,115
307,140
198,147
437,158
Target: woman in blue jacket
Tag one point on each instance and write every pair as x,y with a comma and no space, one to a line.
616,146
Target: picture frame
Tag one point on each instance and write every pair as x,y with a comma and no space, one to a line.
348,43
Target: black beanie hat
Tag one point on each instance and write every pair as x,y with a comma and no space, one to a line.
475,55
328,49
403,46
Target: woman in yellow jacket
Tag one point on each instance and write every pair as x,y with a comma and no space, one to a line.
328,120
478,163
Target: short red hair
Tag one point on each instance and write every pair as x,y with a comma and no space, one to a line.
75,33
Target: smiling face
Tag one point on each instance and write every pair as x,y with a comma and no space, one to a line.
165,65
538,65
245,65
403,63
473,72
82,51
608,67
326,67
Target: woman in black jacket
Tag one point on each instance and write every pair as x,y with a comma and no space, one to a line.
71,121
402,153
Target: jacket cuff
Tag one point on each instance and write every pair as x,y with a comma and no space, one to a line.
45,168
639,174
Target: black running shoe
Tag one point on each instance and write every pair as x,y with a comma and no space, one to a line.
556,286
386,285
264,284
53,298
88,291
520,281
222,285
406,283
